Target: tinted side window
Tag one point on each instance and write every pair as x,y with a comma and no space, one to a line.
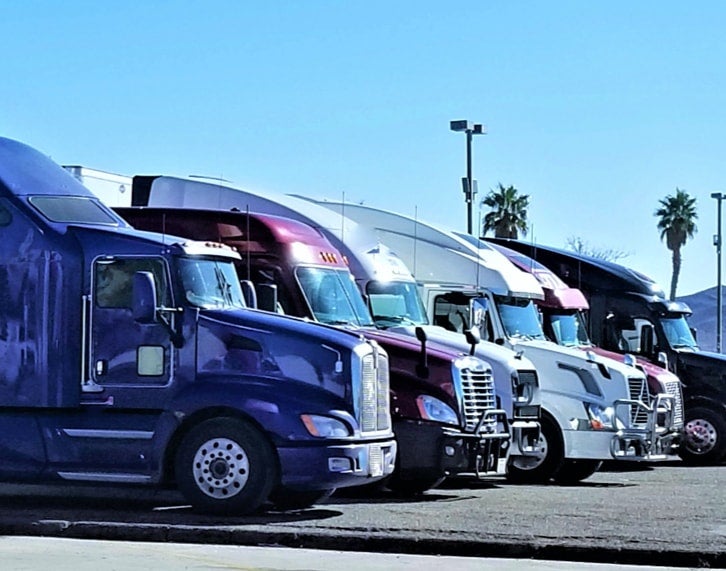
113,281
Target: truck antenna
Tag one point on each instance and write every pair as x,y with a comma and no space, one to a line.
415,236
478,246
249,255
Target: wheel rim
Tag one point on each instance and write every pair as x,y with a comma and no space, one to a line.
700,436
535,461
221,468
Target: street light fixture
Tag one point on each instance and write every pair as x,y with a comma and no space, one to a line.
468,182
719,196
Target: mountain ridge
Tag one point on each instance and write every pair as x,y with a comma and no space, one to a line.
703,320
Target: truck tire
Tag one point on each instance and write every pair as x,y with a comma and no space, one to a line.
539,469
225,466
573,471
286,499
704,437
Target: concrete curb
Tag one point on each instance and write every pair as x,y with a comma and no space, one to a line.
379,541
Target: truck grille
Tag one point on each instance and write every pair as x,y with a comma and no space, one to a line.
638,392
478,397
673,388
375,397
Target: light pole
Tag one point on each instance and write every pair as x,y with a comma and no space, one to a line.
468,183
719,196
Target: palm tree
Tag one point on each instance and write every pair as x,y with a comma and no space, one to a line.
677,223
508,214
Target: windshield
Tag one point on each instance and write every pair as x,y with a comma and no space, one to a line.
678,333
333,296
567,329
396,303
210,283
519,318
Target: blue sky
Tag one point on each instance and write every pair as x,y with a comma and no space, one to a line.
595,110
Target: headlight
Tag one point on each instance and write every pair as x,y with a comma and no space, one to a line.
601,418
433,409
324,426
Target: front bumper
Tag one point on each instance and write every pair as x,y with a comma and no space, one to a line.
336,466
429,450
654,440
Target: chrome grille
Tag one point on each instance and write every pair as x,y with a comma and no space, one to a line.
673,388
478,396
638,392
383,410
374,408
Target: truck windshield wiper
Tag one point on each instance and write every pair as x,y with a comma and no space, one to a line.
684,346
224,286
394,319
526,336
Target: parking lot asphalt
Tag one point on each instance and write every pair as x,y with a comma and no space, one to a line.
666,515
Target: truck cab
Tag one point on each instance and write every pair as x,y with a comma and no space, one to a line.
445,414
592,407
629,313
131,358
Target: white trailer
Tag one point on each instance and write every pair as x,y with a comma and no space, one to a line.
112,189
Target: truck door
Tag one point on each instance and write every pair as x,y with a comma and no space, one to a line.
125,354
129,377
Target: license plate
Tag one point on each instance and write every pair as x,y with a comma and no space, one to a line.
375,460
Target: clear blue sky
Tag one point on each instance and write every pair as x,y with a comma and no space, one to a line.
596,110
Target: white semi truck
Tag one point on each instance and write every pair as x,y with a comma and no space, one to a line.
594,408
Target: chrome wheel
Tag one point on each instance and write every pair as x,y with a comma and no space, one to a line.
221,468
701,436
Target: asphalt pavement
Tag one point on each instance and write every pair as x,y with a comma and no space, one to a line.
668,515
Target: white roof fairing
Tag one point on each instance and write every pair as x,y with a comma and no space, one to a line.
437,255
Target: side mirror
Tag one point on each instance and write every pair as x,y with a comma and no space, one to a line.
249,292
646,340
267,297
473,336
478,307
143,296
422,368
663,359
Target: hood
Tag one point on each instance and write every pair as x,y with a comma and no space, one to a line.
405,342
274,322
549,357
658,377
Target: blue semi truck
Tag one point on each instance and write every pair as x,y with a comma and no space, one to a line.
131,358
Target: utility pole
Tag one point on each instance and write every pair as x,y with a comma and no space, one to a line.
468,183
719,196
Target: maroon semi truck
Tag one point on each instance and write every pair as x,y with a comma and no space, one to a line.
445,411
